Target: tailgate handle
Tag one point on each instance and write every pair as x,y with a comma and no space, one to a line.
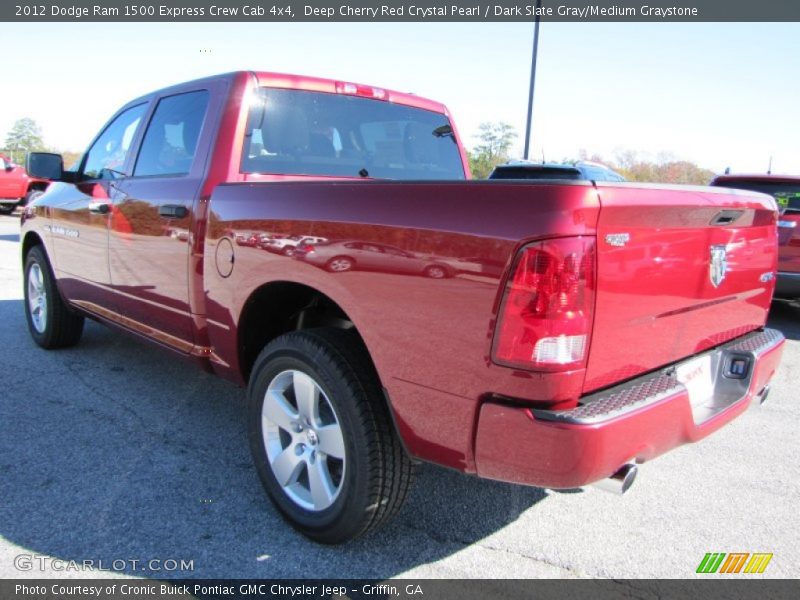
726,217
173,211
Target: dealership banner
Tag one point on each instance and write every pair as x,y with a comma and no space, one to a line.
403,589
400,10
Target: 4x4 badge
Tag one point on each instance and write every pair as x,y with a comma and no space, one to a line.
719,265
618,239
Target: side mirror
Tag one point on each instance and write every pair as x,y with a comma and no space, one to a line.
45,165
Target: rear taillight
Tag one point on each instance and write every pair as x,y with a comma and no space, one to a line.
546,312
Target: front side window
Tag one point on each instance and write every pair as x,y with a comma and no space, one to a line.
106,158
296,132
170,142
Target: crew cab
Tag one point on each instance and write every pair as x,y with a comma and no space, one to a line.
597,325
16,186
786,191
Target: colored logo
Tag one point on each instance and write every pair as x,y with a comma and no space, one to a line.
734,562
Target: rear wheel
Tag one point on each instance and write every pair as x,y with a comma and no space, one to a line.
50,321
7,209
322,438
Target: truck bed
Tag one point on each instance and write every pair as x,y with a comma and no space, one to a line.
431,339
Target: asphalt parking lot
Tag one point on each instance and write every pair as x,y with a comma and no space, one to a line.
114,450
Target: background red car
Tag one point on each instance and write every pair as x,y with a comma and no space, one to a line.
16,186
786,191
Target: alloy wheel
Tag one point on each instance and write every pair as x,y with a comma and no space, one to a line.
37,298
303,440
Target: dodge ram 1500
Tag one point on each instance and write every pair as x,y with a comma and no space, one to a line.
549,333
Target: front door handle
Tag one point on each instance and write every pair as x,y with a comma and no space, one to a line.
99,208
173,211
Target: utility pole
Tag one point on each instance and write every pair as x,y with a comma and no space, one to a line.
533,79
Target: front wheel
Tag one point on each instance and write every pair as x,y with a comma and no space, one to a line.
340,264
436,272
50,321
322,438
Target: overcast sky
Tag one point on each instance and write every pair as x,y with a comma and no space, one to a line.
718,94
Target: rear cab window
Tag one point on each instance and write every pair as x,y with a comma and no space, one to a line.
297,132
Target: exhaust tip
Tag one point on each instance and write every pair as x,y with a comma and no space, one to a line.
620,482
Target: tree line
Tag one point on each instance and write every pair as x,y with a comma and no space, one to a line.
495,140
25,136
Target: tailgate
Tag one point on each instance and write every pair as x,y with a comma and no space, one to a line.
680,269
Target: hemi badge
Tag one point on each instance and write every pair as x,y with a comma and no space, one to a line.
768,276
618,239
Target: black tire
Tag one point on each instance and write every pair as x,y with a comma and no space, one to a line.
7,209
378,473
340,264
61,327
32,195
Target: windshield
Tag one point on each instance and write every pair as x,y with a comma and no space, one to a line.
787,195
295,132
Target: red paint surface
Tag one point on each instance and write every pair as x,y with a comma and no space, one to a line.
655,301
15,182
513,446
430,338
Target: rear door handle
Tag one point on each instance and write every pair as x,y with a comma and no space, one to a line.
173,211
99,208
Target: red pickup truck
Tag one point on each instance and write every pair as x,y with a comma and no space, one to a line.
786,191
16,186
590,327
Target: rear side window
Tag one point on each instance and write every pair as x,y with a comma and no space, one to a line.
295,132
170,143
107,156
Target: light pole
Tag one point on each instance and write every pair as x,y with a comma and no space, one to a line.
533,79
